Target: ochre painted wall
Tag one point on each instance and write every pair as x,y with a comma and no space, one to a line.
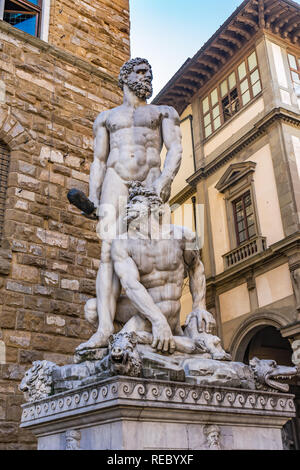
219,226
234,303
274,285
266,196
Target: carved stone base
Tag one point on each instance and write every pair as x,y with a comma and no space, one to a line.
129,413
89,355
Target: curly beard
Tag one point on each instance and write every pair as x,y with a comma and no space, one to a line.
142,90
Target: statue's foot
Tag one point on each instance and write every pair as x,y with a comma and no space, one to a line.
98,340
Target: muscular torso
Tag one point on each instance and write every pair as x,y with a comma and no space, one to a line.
135,141
161,268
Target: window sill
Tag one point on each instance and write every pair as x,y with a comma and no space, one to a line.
207,139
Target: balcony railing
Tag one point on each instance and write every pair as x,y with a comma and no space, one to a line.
251,248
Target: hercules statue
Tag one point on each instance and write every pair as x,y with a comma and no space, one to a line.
128,143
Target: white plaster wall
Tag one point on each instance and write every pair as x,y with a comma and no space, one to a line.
45,20
234,126
279,64
234,303
266,196
296,145
274,285
219,226
281,73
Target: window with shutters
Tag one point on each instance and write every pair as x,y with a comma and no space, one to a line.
4,168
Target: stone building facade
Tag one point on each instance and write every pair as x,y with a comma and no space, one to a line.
241,94
51,89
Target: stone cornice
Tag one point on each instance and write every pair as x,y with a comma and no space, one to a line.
277,114
233,174
56,52
291,330
248,21
131,393
277,250
183,195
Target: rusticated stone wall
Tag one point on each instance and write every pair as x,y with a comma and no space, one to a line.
97,31
49,253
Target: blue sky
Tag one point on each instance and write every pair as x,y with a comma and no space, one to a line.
167,32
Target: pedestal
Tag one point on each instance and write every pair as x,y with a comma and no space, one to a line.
124,413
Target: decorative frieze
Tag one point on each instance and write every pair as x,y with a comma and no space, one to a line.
156,394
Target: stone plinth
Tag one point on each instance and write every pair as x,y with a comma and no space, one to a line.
129,414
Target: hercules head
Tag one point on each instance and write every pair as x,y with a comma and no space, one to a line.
137,75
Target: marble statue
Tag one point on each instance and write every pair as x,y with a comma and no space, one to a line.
151,259
296,353
137,361
37,382
145,260
128,143
73,438
212,434
151,268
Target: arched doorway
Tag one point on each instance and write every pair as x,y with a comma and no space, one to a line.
266,342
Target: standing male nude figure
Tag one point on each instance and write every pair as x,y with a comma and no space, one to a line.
128,143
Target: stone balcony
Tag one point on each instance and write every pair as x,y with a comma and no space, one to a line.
251,248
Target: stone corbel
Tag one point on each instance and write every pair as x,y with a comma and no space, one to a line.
251,286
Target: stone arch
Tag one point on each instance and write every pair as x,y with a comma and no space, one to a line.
249,328
12,133
4,172
14,138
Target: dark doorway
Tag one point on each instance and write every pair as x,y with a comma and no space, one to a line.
267,343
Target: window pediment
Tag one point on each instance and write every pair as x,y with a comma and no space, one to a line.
234,174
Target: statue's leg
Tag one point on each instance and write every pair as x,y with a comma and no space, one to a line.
112,205
137,324
124,310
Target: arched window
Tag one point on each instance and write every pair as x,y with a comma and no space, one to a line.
4,168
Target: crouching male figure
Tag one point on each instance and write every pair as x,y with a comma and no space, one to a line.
128,143
150,261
